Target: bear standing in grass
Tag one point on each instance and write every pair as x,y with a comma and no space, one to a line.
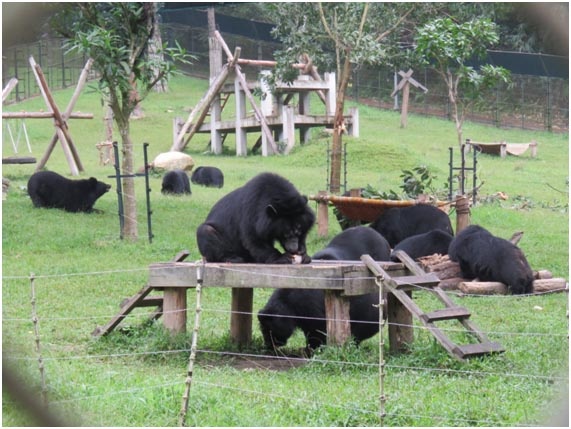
51,190
491,259
176,182
245,224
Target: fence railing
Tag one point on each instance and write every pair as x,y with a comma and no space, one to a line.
530,102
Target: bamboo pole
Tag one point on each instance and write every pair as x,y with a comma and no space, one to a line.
192,358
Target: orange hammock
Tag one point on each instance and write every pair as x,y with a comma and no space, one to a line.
369,209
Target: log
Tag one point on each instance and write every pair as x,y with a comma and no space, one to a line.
8,88
542,274
483,288
497,288
549,285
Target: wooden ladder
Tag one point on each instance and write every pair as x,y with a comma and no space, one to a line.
140,299
451,311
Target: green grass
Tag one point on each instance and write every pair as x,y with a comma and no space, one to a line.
136,377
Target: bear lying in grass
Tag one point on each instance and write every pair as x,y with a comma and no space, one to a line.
51,190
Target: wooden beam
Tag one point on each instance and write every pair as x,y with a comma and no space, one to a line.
43,115
59,123
8,88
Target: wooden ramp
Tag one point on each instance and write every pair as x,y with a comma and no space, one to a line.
451,311
140,299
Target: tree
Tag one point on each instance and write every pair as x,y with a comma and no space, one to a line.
448,46
337,36
116,36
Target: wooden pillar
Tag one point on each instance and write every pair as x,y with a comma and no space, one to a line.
304,109
288,127
462,213
330,96
338,318
322,215
533,146
241,133
401,334
404,111
353,128
174,309
241,316
503,149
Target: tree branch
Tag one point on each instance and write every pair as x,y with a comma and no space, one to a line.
390,30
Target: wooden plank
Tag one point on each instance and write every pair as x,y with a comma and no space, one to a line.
446,314
479,349
350,277
43,115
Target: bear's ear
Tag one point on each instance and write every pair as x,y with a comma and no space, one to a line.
93,181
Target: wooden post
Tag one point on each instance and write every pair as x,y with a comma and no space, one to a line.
503,149
322,215
215,58
401,334
288,128
533,146
404,85
404,111
8,88
462,213
174,309
241,316
241,133
338,318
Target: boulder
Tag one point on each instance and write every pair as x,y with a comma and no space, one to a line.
169,161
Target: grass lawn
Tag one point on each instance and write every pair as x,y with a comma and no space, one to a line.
136,377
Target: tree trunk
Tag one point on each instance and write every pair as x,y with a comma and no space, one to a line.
130,231
154,48
338,128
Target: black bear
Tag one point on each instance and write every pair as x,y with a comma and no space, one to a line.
51,190
398,223
208,176
289,309
244,225
348,245
176,182
489,258
428,243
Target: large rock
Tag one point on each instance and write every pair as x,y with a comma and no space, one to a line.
169,161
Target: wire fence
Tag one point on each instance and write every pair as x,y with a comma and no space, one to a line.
52,353
531,102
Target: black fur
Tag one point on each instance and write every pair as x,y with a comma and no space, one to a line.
208,176
486,257
428,243
176,182
305,308
396,223
244,225
348,245
51,190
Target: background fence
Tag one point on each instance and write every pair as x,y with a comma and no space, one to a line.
535,101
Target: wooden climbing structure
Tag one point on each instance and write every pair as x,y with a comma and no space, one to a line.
276,118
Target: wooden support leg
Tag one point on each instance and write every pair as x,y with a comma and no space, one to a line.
322,216
401,334
338,318
174,308
241,317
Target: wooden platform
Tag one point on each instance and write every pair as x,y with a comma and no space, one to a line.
339,280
